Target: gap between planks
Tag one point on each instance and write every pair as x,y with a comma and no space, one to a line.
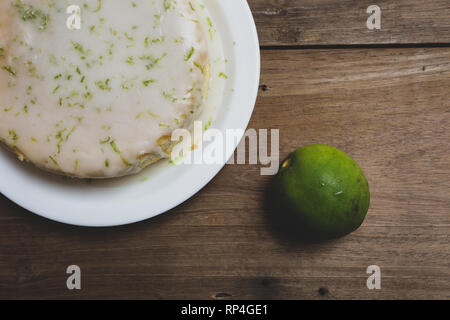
357,46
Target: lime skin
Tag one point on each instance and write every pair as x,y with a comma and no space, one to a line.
324,190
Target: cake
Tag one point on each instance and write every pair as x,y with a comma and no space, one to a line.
95,89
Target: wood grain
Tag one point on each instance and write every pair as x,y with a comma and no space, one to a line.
388,108
343,22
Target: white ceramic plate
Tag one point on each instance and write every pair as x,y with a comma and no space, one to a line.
162,186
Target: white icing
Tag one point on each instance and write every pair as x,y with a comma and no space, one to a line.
47,112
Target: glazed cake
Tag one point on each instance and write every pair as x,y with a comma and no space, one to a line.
100,101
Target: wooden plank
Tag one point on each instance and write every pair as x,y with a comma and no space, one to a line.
343,22
389,109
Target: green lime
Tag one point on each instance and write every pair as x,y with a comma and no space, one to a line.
324,189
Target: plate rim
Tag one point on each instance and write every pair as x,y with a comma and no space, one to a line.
211,170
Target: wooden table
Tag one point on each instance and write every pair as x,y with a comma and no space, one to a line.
382,96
